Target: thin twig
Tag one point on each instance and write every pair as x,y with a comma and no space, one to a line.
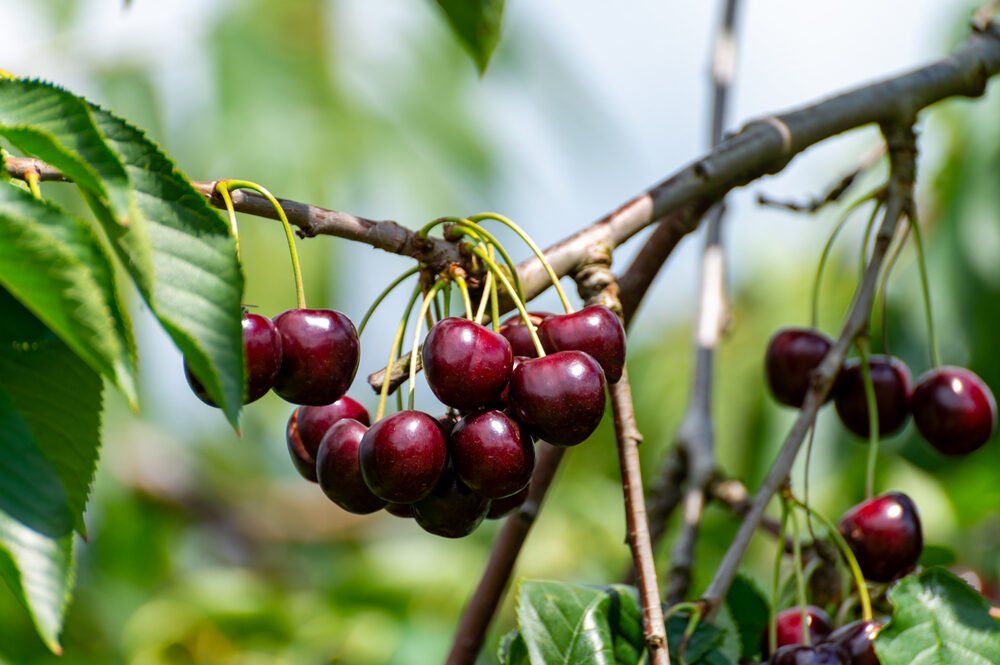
833,193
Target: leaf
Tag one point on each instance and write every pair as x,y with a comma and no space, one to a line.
512,650
476,24
56,265
56,126
565,623
705,646
938,619
183,259
625,619
937,555
750,609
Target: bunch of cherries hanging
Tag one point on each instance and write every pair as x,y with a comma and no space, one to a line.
536,376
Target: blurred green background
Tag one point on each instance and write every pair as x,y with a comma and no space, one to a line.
207,548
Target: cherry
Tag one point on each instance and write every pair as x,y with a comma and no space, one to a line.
792,355
261,356
404,510
595,330
559,397
467,365
503,507
505,395
884,534
857,639
320,353
308,424
452,509
892,383
823,654
954,410
517,333
338,469
789,627
492,453
403,456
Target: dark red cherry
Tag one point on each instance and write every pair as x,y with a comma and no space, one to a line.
792,355
560,397
595,330
885,535
503,507
892,383
403,456
822,654
466,364
492,453
404,510
789,627
451,510
517,333
857,639
308,424
505,395
339,471
261,355
954,410
320,352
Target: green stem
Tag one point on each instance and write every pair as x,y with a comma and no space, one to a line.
31,177
464,290
425,308
397,342
300,295
805,483
534,248
494,302
382,296
864,243
871,402
482,235
447,301
925,285
772,626
438,311
890,264
800,580
234,228
485,298
491,264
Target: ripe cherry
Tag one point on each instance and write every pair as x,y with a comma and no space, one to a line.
517,333
308,424
823,654
466,364
403,456
404,510
559,397
885,535
320,353
492,453
503,507
789,627
595,330
339,472
792,355
857,639
261,355
892,383
452,509
954,410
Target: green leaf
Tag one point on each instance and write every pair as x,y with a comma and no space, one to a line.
183,258
476,24
625,619
565,623
512,650
56,265
938,619
706,646
937,555
750,609
57,126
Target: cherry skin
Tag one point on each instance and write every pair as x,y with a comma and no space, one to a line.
502,507
893,386
823,654
452,509
792,355
789,625
403,456
857,639
320,353
595,330
954,410
466,364
560,397
517,333
339,472
492,453
404,510
308,424
885,535
261,356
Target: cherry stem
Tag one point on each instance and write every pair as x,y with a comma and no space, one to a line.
464,289
805,478
477,232
32,178
772,627
871,402
234,228
382,296
437,307
800,580
447,301
397,342
484,299
925,286
522,234
300,295
848,556
884,288
425,308
492,265
494,301
869,227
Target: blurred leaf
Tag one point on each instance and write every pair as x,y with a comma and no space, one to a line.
476,24
938,619
625,619
512,650
937,555
750,609
706,646
57,267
